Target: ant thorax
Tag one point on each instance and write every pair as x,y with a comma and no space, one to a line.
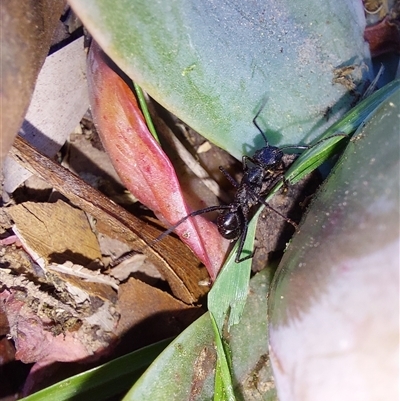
253,176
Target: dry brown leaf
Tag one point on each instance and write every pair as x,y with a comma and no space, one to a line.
149,314
55,232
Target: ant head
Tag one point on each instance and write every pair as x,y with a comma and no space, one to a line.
268,156
230,224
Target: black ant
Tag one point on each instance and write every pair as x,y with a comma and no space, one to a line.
266,170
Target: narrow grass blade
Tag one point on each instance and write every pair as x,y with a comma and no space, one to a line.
104,381
223,377
228,295
145,111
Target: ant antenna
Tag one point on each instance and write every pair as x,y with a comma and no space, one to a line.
301,147
306,147
255,121
192,214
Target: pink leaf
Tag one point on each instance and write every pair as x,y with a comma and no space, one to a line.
34,342
141,163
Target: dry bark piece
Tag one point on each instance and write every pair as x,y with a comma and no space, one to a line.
384,37
174,260
83,283
56,232
273,232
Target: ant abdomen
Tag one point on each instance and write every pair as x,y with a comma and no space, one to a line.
230,224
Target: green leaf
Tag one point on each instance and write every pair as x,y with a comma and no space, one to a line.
145,110
213,64
334,299
315,156
228,295
186,366
104,381
186,369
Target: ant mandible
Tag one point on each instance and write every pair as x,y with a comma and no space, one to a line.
265,170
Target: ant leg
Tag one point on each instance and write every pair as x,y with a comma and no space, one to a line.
274,210
285,184
245,161
242,238
229,177
281,169
193,214
279,177
280,214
